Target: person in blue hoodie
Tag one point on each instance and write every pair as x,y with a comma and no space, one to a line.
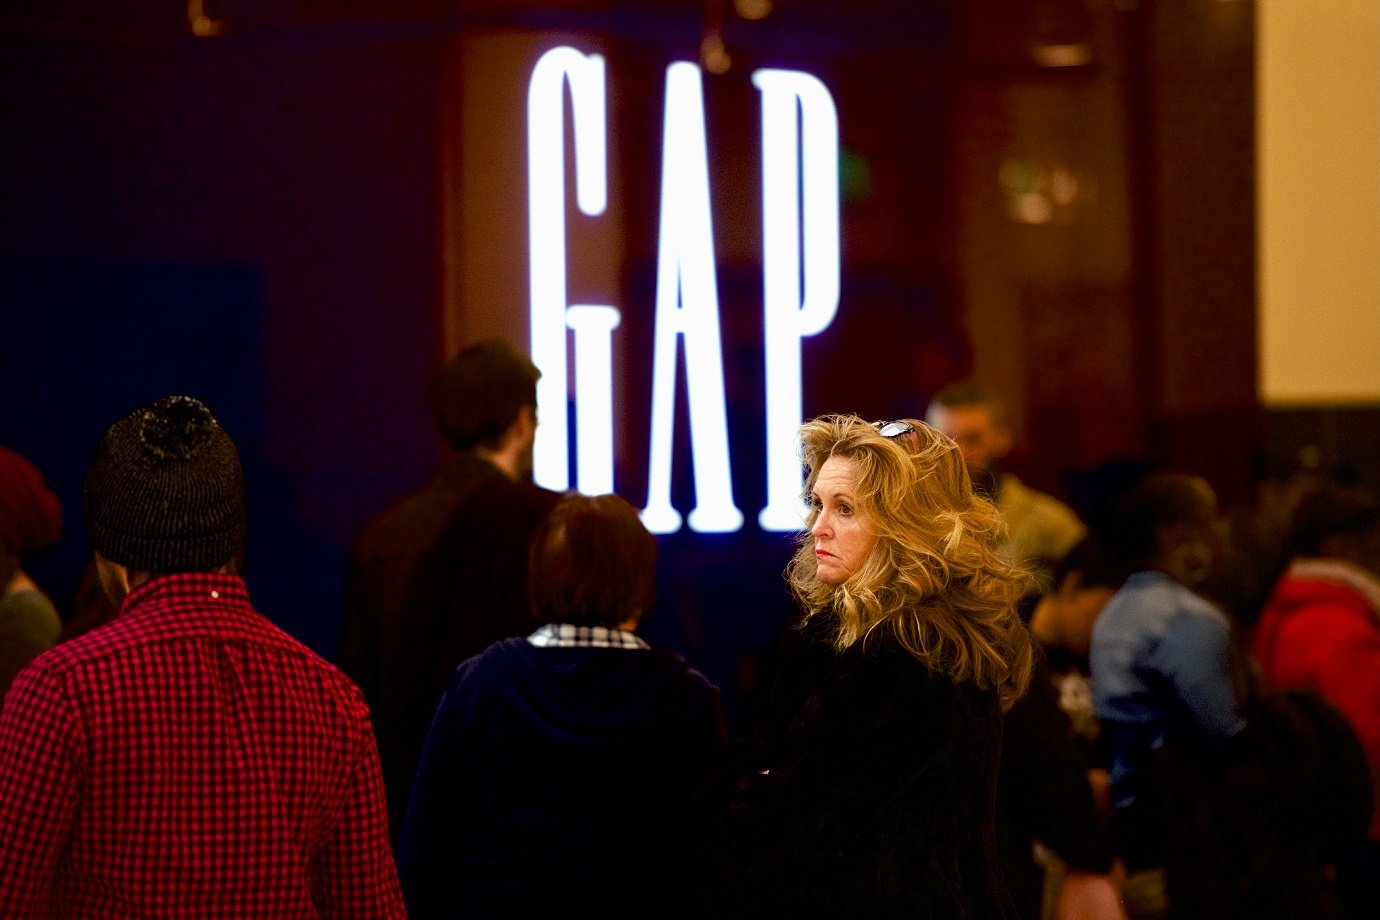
560,769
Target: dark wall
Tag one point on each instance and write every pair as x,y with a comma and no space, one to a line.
249,217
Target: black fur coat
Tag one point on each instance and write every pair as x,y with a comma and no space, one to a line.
870,792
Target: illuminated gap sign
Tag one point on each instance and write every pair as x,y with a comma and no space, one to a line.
800,268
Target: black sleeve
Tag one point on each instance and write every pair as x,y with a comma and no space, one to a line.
1043,790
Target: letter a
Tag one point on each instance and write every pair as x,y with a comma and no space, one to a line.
687,305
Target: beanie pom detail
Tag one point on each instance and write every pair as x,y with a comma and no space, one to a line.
165,492
174,428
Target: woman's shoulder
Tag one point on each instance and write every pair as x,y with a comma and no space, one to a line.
887,692
881,661
498,658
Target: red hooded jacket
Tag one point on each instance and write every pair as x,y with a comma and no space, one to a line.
1321,629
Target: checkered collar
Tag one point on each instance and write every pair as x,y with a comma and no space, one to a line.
568,635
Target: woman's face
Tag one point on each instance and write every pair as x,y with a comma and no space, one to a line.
843,534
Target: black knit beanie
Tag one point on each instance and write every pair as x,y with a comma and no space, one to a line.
165,492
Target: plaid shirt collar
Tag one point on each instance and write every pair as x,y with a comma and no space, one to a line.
188,587
568,635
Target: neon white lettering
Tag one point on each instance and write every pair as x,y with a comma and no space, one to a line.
800,185
546,230
801,284
687,307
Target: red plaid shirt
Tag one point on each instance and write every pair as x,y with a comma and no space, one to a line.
190,759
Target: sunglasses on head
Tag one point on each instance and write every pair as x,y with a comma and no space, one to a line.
893,429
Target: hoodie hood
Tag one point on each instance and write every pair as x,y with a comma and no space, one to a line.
1325,581
543,764
1318,607
591,696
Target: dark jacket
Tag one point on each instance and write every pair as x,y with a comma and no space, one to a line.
878,798
561,778
1044,794
432,581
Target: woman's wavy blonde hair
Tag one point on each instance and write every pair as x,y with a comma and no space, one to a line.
937,580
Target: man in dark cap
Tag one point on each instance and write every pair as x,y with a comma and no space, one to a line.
188,758
442,574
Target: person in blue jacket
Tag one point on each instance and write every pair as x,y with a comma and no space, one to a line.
1164,667
560,768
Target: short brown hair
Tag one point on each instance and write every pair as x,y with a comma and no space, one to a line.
969,394
592,563
477,393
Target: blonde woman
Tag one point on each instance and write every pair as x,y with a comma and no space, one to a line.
872,792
